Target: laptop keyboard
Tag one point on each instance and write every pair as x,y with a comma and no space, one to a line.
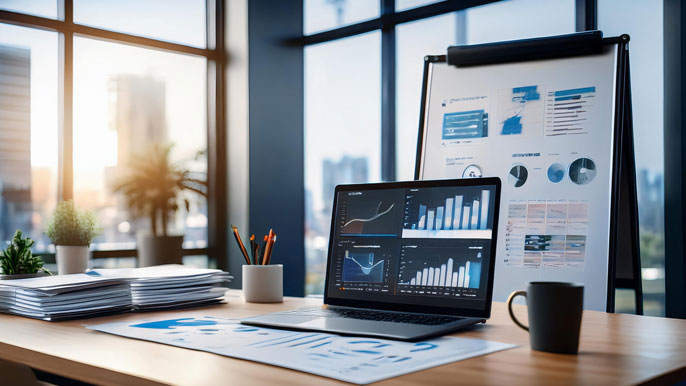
427,320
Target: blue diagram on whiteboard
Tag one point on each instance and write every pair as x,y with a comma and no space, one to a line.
522,110
569,110
556,172
465,124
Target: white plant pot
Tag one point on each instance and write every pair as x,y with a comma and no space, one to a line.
72,259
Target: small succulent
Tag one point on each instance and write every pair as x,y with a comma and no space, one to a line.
71,226
17,259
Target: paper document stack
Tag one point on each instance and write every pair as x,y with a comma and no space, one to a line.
170,286
64,297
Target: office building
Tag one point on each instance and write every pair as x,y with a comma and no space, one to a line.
138,114
15,140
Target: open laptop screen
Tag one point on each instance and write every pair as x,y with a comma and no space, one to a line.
420,246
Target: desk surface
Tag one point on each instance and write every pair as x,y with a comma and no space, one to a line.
614,349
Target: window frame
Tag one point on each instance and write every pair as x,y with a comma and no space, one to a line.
216,118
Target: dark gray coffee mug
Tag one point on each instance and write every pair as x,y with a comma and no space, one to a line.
554,315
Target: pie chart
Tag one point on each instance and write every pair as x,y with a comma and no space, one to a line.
556,172
518,175
582,171
471,171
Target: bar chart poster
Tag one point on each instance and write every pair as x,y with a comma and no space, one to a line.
370,213
449,213
551,141
452,270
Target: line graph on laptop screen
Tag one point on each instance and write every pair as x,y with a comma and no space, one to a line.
369,214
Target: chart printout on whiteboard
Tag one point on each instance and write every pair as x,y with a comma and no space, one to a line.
546,129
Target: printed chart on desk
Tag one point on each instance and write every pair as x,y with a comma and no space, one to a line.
546,129
351,359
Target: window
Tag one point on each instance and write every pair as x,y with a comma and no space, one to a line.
141,77
28,132
342,133
45,8
178,21
519,19
126,100
643,21
415,40
343,103
322,15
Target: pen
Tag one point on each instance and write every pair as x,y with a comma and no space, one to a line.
240,244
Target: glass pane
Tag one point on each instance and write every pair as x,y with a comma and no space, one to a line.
519,19
342,133
322,15
643,21
127,99
45,8
401,5
178,21
28,132
414,41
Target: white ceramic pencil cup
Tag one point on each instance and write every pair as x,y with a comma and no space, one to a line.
263,283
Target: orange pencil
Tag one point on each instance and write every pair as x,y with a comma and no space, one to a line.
267,247
271,249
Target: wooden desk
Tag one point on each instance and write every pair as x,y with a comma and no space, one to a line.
615,349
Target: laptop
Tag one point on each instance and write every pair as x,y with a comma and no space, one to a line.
406,260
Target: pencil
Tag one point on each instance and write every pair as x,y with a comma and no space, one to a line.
271,249
252,249
240,244
267,246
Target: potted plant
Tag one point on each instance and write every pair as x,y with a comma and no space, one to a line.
154,189
17,261
72,231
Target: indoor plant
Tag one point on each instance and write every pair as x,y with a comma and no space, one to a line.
72,230
153,189
17,261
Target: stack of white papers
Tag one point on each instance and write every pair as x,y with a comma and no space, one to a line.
64,297
170,286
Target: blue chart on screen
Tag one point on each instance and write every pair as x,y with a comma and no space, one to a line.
521,96
556,172
465,124
362,267
444,273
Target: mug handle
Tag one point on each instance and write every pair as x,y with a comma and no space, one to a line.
509,308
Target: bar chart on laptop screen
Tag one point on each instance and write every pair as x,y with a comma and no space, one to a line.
448,213
440,269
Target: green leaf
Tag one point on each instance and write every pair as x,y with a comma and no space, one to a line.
17,258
